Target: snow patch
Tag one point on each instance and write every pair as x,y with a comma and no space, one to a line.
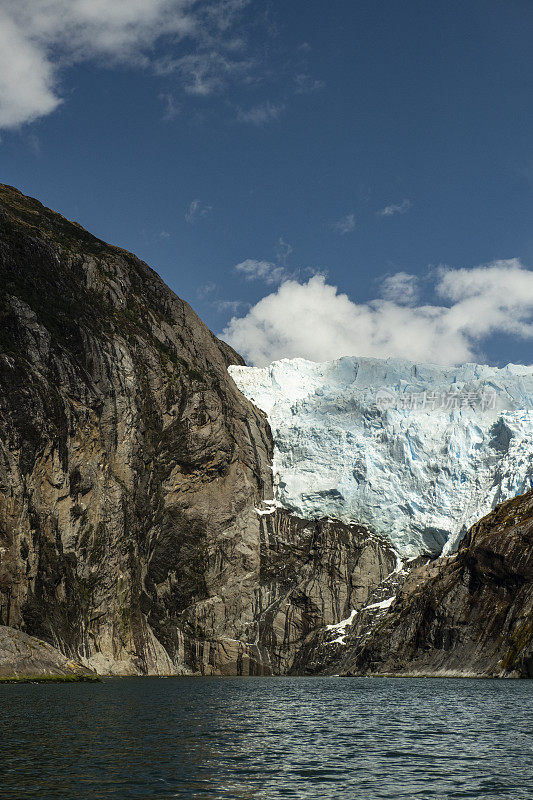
340,628
343,624
383,604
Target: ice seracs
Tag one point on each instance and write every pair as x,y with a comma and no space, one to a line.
416,452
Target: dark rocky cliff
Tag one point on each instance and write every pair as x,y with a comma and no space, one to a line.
131,469
130,463
470,614
313,572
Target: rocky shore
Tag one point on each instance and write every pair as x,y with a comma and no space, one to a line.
24,658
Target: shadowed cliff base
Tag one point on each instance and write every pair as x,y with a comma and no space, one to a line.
24,658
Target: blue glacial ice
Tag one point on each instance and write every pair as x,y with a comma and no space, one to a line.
415,452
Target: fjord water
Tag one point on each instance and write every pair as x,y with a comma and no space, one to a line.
261,738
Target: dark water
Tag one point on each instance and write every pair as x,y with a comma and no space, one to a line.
261,738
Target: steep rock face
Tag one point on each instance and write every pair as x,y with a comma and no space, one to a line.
327,650
130,465
137,529
470,614
313,572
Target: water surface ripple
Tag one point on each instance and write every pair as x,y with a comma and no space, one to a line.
268,738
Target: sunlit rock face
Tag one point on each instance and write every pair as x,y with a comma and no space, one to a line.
416,452
138,529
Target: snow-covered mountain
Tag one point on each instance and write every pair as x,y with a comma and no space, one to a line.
416,452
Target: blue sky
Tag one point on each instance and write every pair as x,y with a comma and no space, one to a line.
382,148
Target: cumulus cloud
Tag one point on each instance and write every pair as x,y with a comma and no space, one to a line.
487,300
196,210
314,320
395,208
260,115
255,269
27,79
37,37
345,225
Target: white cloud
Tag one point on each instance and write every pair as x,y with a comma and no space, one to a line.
345,224
313,320
222,13
255,269
395,208
205,72
305,84
284,250
206,289
260,115
230,305
196,210
487,300
172,109
207,292
27,82
401,288
37,37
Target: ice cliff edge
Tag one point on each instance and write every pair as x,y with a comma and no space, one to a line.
416,452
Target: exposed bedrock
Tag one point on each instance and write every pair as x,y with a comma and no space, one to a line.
469,615
131,468
24,658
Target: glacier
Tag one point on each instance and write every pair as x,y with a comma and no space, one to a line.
414,452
